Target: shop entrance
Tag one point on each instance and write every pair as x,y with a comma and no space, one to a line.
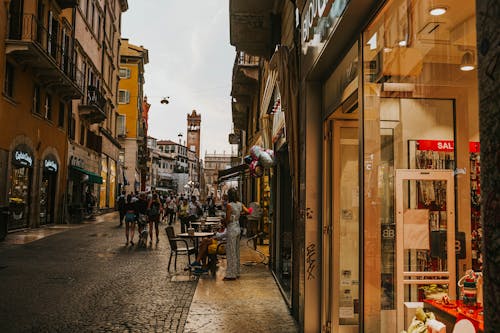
341,227
47,197
425,238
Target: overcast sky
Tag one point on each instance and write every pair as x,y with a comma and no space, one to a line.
190,60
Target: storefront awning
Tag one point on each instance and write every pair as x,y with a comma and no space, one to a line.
93,178
231,172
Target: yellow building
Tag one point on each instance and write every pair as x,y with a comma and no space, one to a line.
39,79
131,121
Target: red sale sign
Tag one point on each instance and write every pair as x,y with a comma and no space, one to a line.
445,145
436,145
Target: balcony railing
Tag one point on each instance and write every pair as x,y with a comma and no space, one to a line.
93,107
34,45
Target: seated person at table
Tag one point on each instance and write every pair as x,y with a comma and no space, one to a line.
203,250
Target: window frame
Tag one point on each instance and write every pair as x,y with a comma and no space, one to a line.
8,87
126,97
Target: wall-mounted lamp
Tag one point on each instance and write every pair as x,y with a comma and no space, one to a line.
467,63
165,100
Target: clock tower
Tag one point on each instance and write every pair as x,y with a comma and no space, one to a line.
193,132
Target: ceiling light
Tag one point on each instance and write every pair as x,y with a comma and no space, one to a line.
467,63
437,11
402,43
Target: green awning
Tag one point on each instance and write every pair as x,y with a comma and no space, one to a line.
93,177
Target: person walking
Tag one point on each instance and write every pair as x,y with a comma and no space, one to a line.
184,214
141,206
195,210
120,205
171,209
130,219
154,211
234,208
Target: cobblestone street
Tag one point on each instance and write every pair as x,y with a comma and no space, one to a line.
86,280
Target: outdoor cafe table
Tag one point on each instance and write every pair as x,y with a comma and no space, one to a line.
200,224
196,236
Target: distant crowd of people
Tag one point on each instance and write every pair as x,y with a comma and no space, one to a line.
154,208
136,209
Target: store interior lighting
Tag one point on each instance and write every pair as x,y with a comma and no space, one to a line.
467,63
437,11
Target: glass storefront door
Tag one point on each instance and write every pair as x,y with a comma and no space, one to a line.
341,248
47,197
425,238
283,236
19,197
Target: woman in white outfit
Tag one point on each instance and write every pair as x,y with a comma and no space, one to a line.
233,211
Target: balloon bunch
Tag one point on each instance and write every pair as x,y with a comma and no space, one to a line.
258,160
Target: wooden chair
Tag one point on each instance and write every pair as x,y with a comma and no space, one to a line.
175,249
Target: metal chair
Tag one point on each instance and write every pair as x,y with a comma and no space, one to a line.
184,249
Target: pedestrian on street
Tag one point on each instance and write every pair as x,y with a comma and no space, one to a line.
234,208
154,211
141,207
211,205
120,205
130,219
184,214
195,210
171,209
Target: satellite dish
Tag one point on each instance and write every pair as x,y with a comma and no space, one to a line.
165,100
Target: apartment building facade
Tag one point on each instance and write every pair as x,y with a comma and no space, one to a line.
132,118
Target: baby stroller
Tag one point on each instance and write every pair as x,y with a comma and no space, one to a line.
142,227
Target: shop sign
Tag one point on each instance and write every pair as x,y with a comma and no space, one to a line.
436,145
77,162
314,11
444,145
474,147
50,165
22,157
317,19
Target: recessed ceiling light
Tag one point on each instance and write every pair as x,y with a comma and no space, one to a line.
437,11
402,43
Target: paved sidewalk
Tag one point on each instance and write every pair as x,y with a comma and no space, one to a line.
253,303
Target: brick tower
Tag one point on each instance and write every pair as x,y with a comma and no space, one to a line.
193,132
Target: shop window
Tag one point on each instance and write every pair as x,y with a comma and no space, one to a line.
9,80
421,113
